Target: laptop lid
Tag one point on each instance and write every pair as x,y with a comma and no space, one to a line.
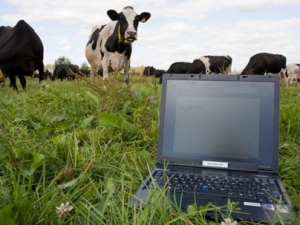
220,121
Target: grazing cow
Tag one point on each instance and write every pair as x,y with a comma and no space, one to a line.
110,45
266,63
21,53
177,67
211,65
148,71
293,72
66,71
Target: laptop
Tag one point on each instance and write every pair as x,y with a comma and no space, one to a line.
218,141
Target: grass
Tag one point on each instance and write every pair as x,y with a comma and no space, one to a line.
92,145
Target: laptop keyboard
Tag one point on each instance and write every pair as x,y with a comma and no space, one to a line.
263,190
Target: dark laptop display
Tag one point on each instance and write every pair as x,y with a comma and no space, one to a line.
229,121
218,139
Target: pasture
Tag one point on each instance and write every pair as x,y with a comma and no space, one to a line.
92,144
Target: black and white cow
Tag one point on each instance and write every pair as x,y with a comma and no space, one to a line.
293,72
110,45
266,63
211,65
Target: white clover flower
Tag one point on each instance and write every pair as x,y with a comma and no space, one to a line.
63,210
228,222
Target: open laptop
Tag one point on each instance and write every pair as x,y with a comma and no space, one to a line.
219,140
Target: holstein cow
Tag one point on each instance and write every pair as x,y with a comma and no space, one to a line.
110,44
177,67
266,63
21,53
211,65
293,72
148,71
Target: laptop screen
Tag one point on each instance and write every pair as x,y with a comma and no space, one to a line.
230,121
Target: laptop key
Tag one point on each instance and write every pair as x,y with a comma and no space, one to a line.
250,196
262,200
260,193
232,194
241,195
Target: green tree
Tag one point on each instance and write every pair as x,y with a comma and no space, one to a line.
62,60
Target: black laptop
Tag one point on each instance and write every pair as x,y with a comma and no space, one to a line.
219,141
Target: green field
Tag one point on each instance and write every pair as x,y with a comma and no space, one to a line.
92,145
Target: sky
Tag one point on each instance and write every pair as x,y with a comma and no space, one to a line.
178,30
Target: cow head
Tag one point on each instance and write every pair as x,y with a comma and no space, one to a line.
128,21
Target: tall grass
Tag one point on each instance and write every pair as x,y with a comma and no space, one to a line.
92,145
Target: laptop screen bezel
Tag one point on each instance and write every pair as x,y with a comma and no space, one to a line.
273,168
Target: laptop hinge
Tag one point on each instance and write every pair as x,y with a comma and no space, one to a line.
265,170
164,163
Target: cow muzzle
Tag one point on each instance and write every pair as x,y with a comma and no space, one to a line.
130,36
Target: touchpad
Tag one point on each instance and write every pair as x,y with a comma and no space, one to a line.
199,200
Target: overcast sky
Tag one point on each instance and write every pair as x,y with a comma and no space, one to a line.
178,30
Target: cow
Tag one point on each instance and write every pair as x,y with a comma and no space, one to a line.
66,71
211,65
21,53
111,44
293,72
148,71
177,67
266,63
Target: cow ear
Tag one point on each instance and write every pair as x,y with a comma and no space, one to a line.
144,17
113,15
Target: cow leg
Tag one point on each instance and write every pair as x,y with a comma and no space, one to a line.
40,66
13,84
23,81
105,69
93,73
126,71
